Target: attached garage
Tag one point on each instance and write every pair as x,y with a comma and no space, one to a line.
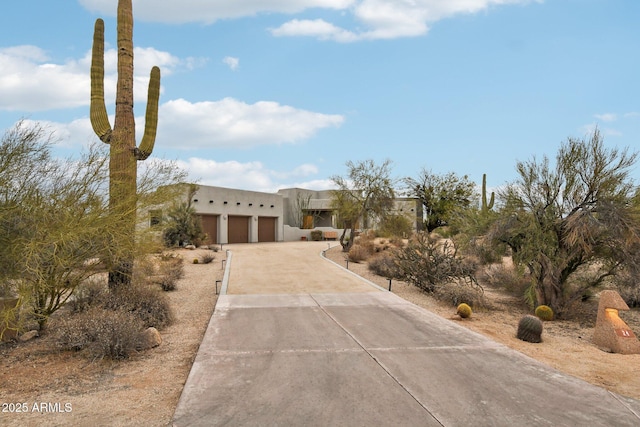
210,226
267,229
239,229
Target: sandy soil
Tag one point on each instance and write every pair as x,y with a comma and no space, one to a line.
144,390
55,388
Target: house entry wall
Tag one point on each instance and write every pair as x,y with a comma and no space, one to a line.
238,229
210,226
267,229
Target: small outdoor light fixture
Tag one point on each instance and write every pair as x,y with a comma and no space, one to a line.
250,204
272,206
261,205
238,204
210,201
195,200
225,202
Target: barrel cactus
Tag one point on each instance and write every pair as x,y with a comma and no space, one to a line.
530,329
544,312
464,311
123,154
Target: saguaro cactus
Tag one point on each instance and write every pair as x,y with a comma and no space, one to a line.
124,153
486,206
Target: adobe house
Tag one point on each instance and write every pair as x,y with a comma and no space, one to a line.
240,216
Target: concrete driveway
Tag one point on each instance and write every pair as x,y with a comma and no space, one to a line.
286,348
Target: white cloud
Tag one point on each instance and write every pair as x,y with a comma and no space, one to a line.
607,117
314,28
226,123
232,62
380,19
252,176
388,19
235,124
208,11
591,127
30,82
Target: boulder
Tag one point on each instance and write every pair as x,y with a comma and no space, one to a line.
27,336
149,338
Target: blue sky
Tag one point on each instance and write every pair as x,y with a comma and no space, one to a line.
269,94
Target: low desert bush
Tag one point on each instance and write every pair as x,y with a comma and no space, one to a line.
100,332
383,264
455,294
208,257
628,288
88,294
428,263
171,269
316,235
508,278
148,304
358,253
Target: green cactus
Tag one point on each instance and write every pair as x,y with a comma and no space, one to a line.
123,151
544,312
464,311
486,206
530,329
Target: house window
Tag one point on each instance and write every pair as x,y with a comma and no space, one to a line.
155,218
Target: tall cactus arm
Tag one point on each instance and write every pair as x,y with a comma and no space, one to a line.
151,117
486,206
98,110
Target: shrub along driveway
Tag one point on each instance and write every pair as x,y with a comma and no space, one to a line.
285,348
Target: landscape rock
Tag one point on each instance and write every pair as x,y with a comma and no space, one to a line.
27,336
190,247
149,338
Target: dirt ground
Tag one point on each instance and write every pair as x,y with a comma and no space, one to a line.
42,386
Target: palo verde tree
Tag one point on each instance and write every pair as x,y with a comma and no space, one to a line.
366,192
56,228
53,228
124,154
572,224
442,196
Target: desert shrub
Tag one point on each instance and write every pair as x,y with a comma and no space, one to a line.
171,269
358,253
455,293
427,263
483,252
395,225
146,303
208,257
88,294
383,264
628,287
101,332
508,278
316,235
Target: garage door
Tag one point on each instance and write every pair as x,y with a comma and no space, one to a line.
238,229
210,226
266,229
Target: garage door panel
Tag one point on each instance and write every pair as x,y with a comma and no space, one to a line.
238,229
210,226
266,229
